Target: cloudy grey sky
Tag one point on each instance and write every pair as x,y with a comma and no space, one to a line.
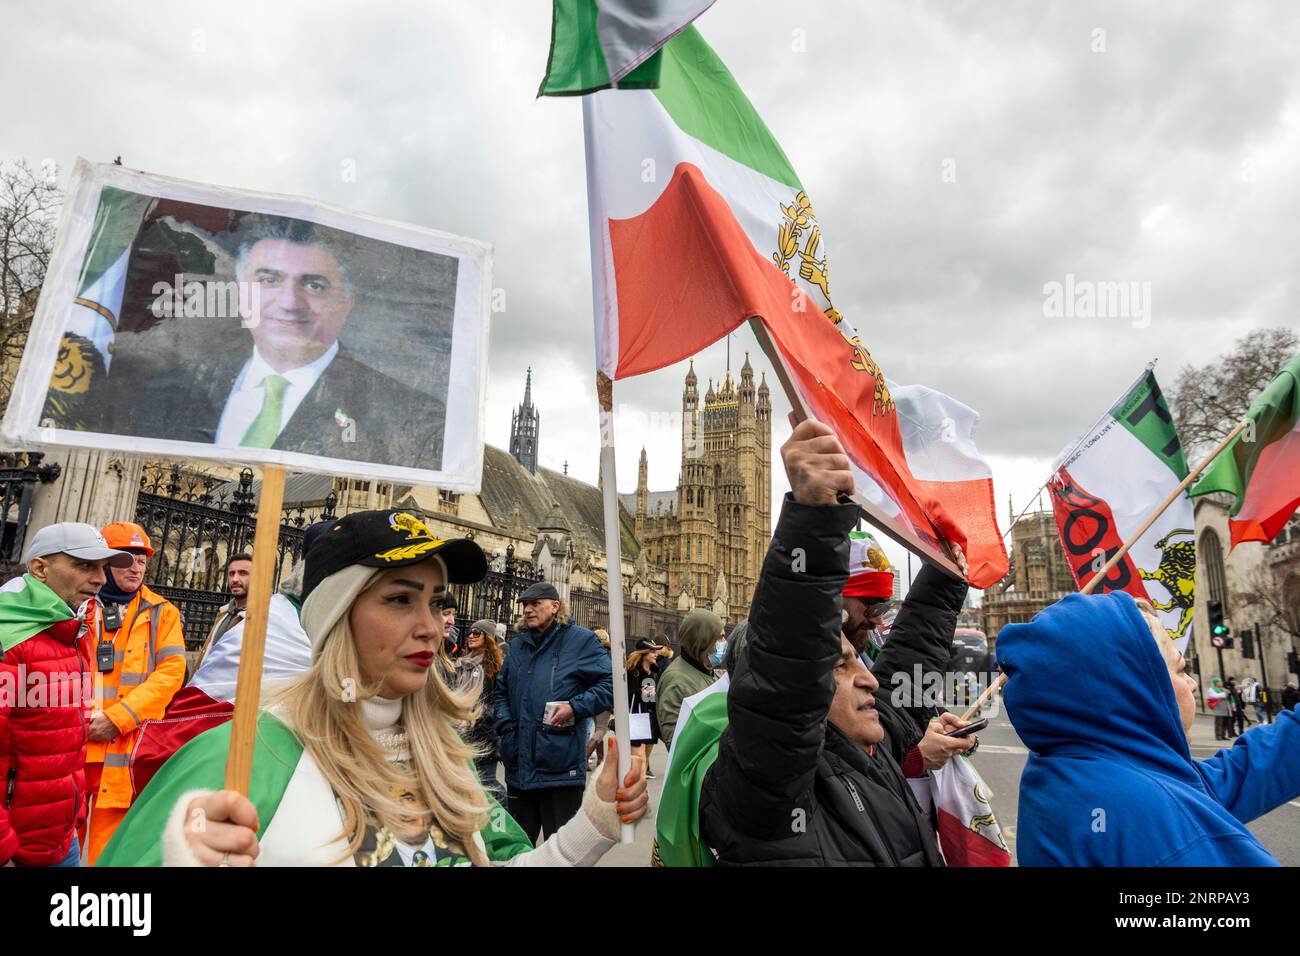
960,156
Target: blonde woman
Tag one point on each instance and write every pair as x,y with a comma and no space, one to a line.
358,762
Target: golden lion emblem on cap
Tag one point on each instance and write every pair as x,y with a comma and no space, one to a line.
415,530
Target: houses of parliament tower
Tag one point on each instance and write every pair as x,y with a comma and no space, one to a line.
711,532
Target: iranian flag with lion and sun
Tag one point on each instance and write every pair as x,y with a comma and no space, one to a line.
1107,483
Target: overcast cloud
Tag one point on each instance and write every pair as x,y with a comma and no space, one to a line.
959,155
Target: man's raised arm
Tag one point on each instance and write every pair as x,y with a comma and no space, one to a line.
782,688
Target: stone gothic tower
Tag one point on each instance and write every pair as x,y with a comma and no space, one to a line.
690,413
524,424
642,495
712,543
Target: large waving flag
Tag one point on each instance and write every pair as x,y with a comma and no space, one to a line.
1260,468
208,700
596,44
1107,483
700,223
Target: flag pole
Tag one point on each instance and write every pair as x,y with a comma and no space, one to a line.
1118,556
614,559
900,531
248,686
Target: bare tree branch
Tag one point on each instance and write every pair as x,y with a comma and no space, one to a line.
29,208
1209,400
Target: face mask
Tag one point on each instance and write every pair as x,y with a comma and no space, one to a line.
719,652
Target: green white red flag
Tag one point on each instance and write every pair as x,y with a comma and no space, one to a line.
1107,483
1261,467
597,44
27,607
699,223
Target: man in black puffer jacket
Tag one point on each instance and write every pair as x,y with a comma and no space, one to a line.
808,769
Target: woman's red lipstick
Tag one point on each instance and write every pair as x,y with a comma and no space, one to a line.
422,659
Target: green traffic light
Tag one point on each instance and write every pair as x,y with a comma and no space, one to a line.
1220,629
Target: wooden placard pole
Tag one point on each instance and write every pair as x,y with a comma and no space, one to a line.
1118,556
248,688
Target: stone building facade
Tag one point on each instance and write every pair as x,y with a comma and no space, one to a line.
701,544
1259,584
1039,575
710,533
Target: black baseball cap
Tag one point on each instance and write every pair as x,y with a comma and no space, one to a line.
388,539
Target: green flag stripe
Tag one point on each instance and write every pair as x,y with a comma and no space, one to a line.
706,102
576,64
1145,413
201,765
29,611
117,221
1273,414
695,748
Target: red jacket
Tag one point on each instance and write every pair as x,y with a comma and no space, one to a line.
42,746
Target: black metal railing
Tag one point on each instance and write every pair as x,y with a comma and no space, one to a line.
591,609
496,597
20,473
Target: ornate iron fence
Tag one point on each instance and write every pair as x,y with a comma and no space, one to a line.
194,535
20,472
591,609
496,597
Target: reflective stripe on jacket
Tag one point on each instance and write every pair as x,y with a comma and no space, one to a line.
148,670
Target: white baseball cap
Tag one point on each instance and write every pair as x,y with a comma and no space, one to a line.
78,540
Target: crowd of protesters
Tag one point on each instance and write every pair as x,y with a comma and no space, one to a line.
401,740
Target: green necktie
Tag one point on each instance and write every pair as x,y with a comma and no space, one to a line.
266,426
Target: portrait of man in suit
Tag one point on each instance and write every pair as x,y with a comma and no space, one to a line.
279,378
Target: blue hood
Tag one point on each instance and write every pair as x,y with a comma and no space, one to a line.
1110,779
1087,674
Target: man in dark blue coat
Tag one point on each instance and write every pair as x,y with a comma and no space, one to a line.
555,679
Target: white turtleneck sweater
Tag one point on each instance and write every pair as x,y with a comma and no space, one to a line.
305,828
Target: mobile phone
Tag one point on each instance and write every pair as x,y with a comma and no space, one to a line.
969,729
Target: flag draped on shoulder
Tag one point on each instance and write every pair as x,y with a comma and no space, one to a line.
1107,483
1259,468
694,749
596,44
208,700
27,607
700,223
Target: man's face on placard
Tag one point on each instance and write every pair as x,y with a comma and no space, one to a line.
304,301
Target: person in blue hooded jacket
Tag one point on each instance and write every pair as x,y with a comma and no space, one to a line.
554,662
1100,695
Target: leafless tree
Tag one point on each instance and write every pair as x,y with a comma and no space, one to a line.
1208,401
1277,606
29,206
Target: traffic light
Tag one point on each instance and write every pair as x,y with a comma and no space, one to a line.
1215,610
1247,642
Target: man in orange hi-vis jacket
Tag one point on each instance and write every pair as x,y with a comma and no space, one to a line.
136,650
